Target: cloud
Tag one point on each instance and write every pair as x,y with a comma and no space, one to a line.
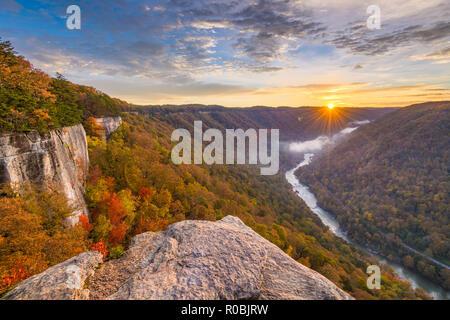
138,91
309,146
159,8
359,123
439,56
333,87
212,24
264,29
359,94
359,40
323,141
248,35
255,49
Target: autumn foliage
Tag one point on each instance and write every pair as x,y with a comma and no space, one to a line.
92,128
145,193
33,235
16,274
100,247
83,220
31,100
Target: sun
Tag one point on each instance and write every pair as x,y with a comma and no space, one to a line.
330,106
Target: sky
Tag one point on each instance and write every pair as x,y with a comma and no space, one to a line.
241,53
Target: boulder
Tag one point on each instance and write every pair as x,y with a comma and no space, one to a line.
199,260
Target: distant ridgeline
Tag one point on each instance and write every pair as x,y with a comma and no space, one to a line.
388,185
31,100
294,123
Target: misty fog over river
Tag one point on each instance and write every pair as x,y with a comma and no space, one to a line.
316,145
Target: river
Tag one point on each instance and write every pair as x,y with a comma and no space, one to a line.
416,280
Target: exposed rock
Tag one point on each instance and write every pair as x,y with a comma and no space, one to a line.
109,124
65,281
203,260
114,273
58,159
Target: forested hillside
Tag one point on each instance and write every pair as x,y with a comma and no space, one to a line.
388,184
133,187
32,100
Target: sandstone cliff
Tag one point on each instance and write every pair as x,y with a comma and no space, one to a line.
190,260
58,159
109,125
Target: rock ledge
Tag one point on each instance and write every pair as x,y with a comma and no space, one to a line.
190,260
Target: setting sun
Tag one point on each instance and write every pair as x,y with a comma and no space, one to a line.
330,106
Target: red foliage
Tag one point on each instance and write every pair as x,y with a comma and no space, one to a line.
145,193
110,183
112,206
84,222
117,234
115,209
100,247
14,276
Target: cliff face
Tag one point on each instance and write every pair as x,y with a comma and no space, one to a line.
58,160
109,125
190,260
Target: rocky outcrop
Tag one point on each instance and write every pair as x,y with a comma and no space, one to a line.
194,260
58,159
109,125
64,281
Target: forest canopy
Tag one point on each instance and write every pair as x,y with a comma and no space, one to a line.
31,100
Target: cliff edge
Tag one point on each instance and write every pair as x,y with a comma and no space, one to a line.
190,260
57,159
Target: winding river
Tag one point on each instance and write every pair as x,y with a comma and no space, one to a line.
416,280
